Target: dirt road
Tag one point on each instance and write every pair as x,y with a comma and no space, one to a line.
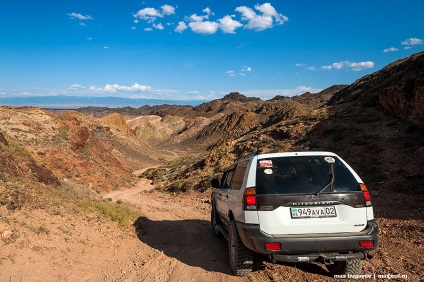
170,241
175,230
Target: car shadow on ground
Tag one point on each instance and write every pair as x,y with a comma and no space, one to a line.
189,241
192,243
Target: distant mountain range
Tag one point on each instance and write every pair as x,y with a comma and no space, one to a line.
73,102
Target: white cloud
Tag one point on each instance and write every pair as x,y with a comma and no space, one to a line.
207,11
312,68
304,88
79,16
340,65
168,10
412,41
113,88
270,11
228,25
196,18
391,49
158,26
181,27
148,29
76,87
353,66
193,92
246,13
133,27
204,27
148,14
261,22
361,66
89,38
299,65
243,72
82,24
105,47
230,73
265,17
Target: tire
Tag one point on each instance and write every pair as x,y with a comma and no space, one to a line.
241,258
215,222
353,267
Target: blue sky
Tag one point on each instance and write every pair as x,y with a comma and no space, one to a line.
199,49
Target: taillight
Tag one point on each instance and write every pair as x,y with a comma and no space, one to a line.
366,244
272,246
250,199
367,196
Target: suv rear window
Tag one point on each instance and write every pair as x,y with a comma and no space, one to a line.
303,174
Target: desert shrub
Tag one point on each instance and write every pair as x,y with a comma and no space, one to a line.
118,213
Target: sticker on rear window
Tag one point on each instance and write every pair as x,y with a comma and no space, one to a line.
330,160
268,171
265,164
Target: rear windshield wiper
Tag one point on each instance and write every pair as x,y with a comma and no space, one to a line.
326,186
331,179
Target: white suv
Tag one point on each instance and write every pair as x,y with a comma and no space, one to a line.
294,207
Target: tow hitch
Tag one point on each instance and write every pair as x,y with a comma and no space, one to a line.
324,259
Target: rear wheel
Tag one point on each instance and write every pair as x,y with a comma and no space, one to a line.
353,267
215,222
241,258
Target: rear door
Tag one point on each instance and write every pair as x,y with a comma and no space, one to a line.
221,195
308,194
235,195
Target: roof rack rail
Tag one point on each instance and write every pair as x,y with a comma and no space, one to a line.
257,152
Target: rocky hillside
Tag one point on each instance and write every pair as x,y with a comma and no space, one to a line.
396,89
53,147
361,122
54,166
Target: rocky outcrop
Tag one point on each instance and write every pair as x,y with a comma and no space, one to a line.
154,129
239,97
234,125
116,121
398,89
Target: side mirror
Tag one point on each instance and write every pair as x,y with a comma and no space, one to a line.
215,183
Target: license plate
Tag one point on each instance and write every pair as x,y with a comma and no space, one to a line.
311,212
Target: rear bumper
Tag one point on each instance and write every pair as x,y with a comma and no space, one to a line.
337,247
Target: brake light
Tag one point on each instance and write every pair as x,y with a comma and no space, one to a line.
272,246
366,244
250,198
367,196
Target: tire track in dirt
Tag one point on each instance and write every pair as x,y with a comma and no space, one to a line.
174,232
176,243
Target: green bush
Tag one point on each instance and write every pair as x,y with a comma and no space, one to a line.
120,214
